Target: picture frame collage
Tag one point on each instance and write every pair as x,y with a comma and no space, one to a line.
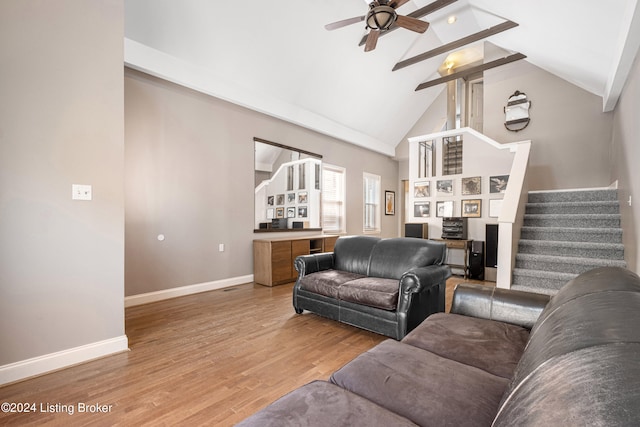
288,205
443,190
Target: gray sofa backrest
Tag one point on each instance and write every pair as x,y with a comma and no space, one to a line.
352,253
391,258
581,365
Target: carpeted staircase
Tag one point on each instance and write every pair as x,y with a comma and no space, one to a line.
564,234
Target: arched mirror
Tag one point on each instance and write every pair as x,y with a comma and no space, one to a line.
287,188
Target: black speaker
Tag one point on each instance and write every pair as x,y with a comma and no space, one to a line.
421,231
476,260
491,259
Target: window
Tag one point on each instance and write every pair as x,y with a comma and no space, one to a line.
426,156
371,203
333,199
452,155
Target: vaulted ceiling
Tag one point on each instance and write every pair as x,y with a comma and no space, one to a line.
277,57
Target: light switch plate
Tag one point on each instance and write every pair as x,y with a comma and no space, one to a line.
80,192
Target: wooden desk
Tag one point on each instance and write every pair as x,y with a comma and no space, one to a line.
273,258
463,245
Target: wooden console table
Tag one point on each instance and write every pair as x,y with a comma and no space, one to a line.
463,245
273,258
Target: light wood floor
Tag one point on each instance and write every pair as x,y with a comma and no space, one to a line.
208,359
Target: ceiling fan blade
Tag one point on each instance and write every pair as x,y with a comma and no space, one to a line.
372,40
412,24
397,3
344,23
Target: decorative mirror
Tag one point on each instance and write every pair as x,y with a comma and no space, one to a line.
287,188
517,112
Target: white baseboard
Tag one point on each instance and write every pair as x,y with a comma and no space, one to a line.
50,362
146,298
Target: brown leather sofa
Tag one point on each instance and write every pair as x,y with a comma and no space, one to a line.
388,286
500,358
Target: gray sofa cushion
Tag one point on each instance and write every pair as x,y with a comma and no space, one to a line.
352,253
372,292
321,404
328,282
424,387
495,347
391,258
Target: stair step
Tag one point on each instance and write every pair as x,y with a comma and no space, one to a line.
573,195
534,289
572,234
572,249
563,264
576,208
547,282
575,221
564,234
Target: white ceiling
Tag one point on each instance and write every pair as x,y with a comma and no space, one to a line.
277,58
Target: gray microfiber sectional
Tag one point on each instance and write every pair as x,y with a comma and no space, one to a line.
388,286
500,358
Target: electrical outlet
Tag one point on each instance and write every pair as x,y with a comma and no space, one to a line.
629,202
221,247
80,192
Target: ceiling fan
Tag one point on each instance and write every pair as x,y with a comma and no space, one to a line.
380,17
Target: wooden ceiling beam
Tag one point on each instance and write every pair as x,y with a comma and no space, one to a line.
472,70
456,44
419,13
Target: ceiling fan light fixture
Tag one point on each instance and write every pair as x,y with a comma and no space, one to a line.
381,18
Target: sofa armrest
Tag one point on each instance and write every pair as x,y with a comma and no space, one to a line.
418,279
503,305
307,264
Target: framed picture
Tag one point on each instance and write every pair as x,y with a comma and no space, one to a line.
421,189
444,208
495,205
302,197
421,209
270,200
472,208
471,186
291,212
389,202
270,213
291,198
279,199
302,211
444,187
279,212
498,183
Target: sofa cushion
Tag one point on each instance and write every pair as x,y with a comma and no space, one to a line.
327,282
495,347
391,258
372,292
425,388
323,404
352,253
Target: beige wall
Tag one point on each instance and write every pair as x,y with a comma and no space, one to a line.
61,123
569,132
189,176
626,158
